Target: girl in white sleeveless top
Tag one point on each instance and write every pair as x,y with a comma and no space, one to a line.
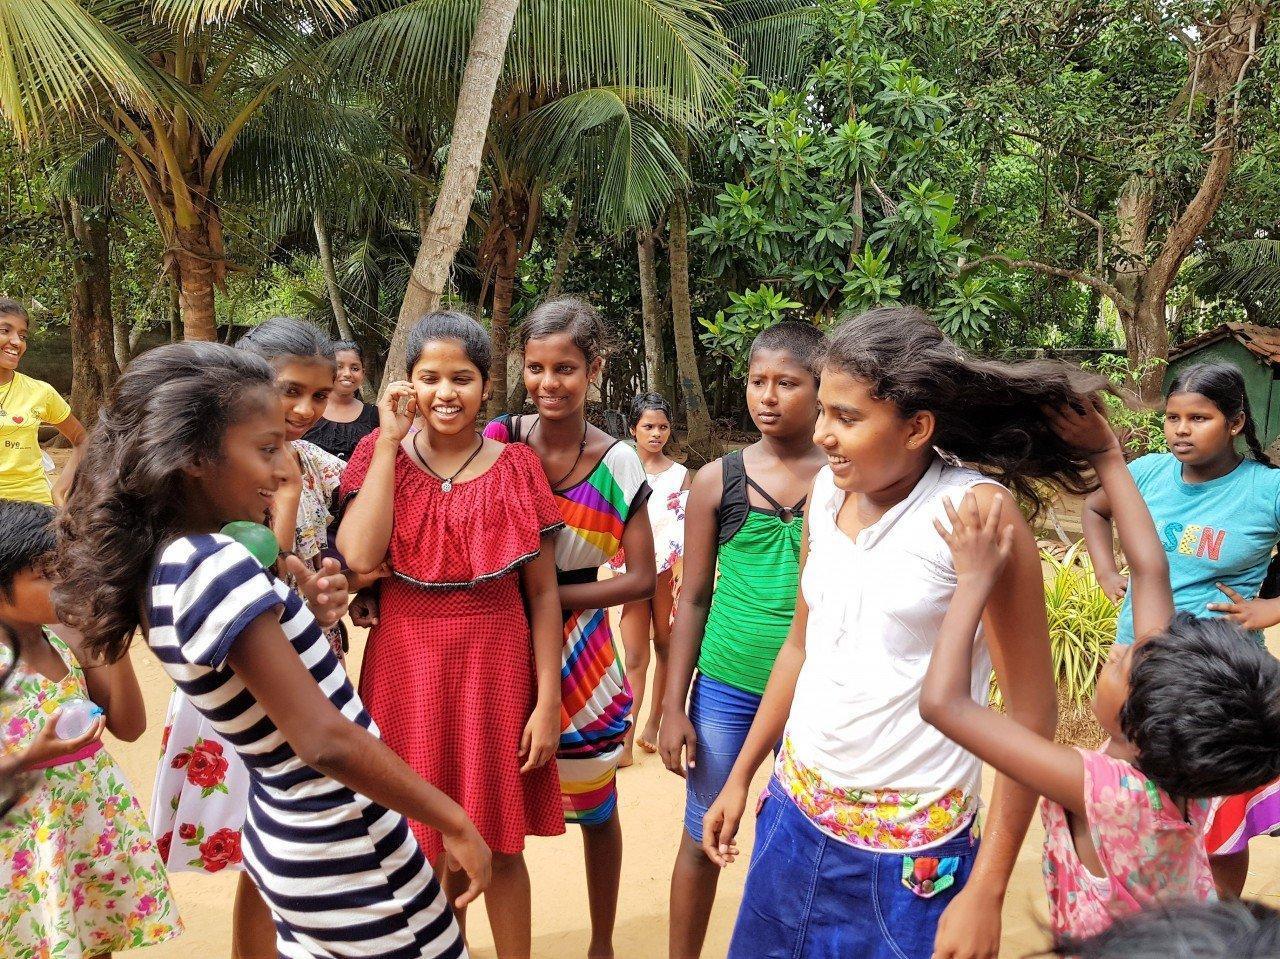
870,823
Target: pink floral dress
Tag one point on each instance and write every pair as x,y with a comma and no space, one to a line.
80,871
1150,854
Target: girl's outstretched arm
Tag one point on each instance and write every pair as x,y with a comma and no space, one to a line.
328,742
542,599
982,540
676,733
1151,599
637,583
720,824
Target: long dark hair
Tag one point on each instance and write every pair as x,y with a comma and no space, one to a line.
1222,384
987,414
170,409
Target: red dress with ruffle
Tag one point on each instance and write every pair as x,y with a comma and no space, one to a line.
448,672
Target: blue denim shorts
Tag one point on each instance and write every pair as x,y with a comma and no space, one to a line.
809,896
721,716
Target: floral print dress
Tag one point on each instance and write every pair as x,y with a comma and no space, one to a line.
78,865
202,788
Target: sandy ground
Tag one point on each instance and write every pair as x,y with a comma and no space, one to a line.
652,804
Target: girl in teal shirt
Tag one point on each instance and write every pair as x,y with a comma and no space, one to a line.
1217,512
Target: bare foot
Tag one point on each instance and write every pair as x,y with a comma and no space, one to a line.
628,758
648,739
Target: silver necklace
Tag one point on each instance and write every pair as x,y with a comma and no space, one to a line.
446,483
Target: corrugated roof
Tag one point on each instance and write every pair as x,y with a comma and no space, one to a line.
1262,341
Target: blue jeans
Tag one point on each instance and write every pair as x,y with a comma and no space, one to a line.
721,716
809,896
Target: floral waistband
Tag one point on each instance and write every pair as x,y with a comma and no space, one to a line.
882,819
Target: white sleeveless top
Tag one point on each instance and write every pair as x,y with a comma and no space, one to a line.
855,737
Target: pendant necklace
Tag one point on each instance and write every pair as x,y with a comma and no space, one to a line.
582,448
446,483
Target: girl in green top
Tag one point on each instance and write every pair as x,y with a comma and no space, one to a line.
744,520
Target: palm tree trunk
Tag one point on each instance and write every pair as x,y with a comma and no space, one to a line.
195,276
504,285
175,313
443,236
93,361
564,249
702,444
650,309
331,277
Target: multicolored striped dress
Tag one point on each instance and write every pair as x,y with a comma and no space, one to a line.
595,694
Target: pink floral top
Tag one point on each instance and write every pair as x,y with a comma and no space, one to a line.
1149,853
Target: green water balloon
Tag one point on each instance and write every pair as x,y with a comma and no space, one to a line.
256,538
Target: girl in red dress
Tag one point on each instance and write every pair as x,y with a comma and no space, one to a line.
463,684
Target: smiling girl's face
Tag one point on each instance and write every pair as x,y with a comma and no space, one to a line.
304,386
558,375
240,482
449,387
13,340
350,376
870,445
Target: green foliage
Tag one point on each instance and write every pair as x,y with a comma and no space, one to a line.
1140,429
731,332
1082,625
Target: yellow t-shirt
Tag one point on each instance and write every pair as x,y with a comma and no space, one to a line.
25,404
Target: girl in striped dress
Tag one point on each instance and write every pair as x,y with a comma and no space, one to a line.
744,519
599,484
194,438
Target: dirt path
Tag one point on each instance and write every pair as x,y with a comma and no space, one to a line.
652,803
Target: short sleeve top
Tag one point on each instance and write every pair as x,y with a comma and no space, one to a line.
321,473
25,403
481,529
1220,531
1149,853
595,510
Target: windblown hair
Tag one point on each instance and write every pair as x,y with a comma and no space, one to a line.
802,340
1233,929
10,307
987,414
169,410
1222,384
643,404
568,315
288,338
1203,710
26,539
451,325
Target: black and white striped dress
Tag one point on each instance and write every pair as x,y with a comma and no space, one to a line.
342,875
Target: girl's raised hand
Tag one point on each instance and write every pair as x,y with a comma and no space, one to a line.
396,409
980,545
1083,425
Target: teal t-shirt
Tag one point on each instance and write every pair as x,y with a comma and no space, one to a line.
1222,531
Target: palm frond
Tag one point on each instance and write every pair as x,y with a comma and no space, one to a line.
86,172
556,46
774,37
628,171
1241,269
190,15
57,59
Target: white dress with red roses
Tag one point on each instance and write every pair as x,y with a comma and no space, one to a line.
80,872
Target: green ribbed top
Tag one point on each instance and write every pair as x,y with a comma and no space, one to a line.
753,603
